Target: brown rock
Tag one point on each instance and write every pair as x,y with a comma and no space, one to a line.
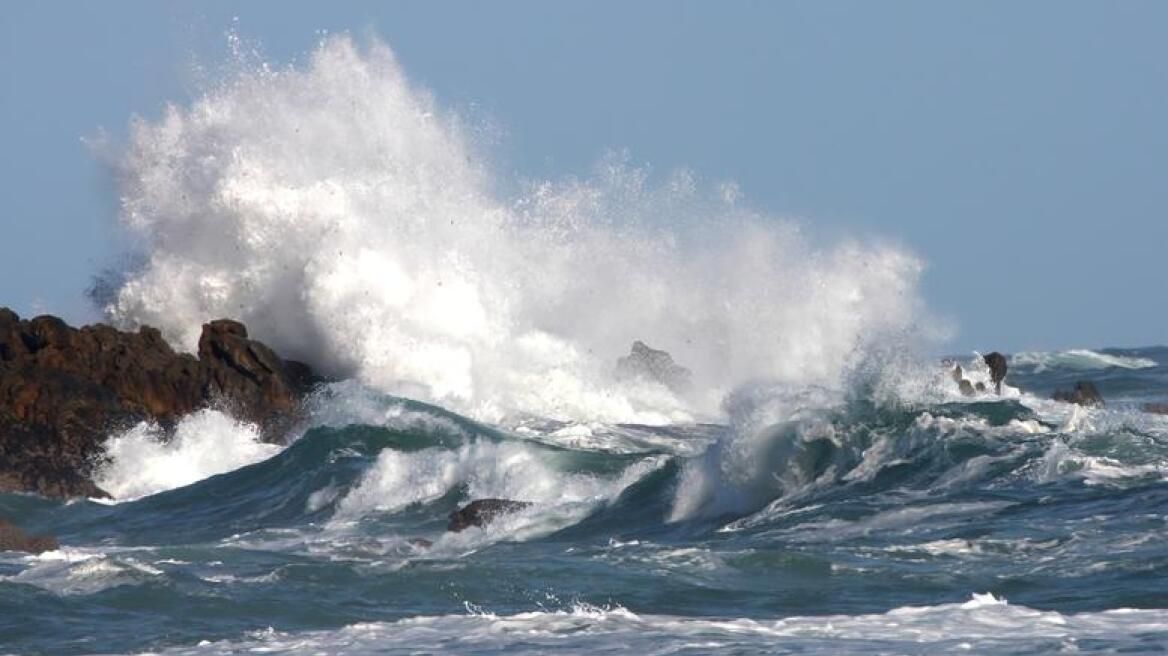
998,368
481,512
966,387
63,390
1085,394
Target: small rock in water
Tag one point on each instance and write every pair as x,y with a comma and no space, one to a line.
481,512
966,387
63,389
14,539
653,364
957,373
997,364
1084,394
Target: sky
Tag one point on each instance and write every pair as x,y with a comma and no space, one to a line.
1019,149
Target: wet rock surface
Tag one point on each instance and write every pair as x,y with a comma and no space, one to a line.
1085,394
998,368
63,390
481,512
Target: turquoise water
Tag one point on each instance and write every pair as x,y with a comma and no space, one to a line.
1008,525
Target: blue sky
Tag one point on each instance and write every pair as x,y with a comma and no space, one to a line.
1019,148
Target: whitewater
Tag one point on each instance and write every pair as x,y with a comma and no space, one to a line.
819,485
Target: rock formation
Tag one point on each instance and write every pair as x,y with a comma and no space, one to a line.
966,387
997,364
63,390
655,365
1084,394
1156,408
481,512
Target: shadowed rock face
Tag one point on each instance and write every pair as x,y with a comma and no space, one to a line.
63,390
481,512
997,364
14,539
653,364
1084,394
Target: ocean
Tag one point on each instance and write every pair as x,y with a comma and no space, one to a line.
808,478
993,525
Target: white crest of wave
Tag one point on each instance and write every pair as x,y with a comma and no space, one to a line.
141,461
1079,359
985,625
350,222
500,470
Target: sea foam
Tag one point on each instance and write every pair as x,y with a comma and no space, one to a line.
350,221
142,461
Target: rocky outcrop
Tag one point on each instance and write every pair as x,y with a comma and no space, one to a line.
1156,408
63,390
14,539
655,365
998,368
1085,394
966,387
481,512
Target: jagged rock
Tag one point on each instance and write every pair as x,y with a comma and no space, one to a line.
481,512
14,539
63,390
1156,408
998,367
258,385
653,364
1084,394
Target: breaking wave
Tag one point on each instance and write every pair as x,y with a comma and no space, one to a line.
146,460
1079,360
350,221
984,624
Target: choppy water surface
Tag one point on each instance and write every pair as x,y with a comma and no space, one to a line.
814,485
1002,525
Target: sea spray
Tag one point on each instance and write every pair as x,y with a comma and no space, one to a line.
350,221
143,461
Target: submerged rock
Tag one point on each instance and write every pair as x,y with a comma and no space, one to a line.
481,512
655,365
1085,394
63,390
998,368
14,539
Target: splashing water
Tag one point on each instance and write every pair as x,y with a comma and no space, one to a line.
350,222
141,462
